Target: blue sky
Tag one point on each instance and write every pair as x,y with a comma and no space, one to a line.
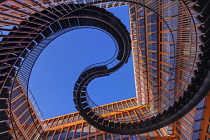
58,67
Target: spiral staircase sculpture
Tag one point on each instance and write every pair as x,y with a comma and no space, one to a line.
28,38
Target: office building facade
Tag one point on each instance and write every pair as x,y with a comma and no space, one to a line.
163,64
72,126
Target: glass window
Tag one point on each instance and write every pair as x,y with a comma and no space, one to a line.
152,28
126,117
110,108
195,135
70,118
17,102
116,137
120,105
100,137
124,104
54,122
142,37
134,31
63,133
49,137
143,52
28,123
108,136
199,114
60,121
92,129
78,131
133,25
115,107
57,134
125,137
141,30
15,93
135,44
105,109
25,116
95,109
132,10
71,132
134,102
152,37
112,117
148,10
152,18
133,116
134,137
85,129
142,46
100,110
141,22
129,103
141,13
139,114
75,117
133,17
21,109
197,126
134,38
79,117
65,120
152,46
119,117
201,104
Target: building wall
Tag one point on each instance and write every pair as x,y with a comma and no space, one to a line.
155,54
203,120
72,126
26,121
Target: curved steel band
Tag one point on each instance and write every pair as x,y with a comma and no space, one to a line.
121,35
195,92
88,17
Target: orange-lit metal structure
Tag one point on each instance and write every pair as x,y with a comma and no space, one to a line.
165,37
154,57
72,126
